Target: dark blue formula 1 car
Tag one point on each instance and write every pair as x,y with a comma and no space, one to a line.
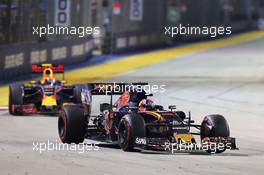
136,122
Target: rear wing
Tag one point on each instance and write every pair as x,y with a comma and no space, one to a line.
36,68
114,88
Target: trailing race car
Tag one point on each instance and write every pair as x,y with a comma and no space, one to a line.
136,122
47,95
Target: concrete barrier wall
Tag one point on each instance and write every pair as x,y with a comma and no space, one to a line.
16,59
136,40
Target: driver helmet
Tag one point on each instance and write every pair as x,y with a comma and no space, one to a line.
146,104
49,81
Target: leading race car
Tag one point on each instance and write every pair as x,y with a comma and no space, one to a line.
136,122
47,95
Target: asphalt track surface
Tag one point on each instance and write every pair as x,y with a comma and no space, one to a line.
227,80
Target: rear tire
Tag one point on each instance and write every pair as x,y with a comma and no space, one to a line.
15,99
214,126
72,124
130,127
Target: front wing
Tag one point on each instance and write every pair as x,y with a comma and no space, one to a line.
164,144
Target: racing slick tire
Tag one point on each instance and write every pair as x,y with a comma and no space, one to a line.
130,127
214,126
72,124
77,92
181,114
15,99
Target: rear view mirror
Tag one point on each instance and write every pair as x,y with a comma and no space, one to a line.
172,107
149,95
191,121
105,106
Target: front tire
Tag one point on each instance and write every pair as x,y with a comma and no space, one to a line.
72,124
130,127
214,126
15,101
77,93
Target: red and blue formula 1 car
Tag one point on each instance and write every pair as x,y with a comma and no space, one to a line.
47,95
